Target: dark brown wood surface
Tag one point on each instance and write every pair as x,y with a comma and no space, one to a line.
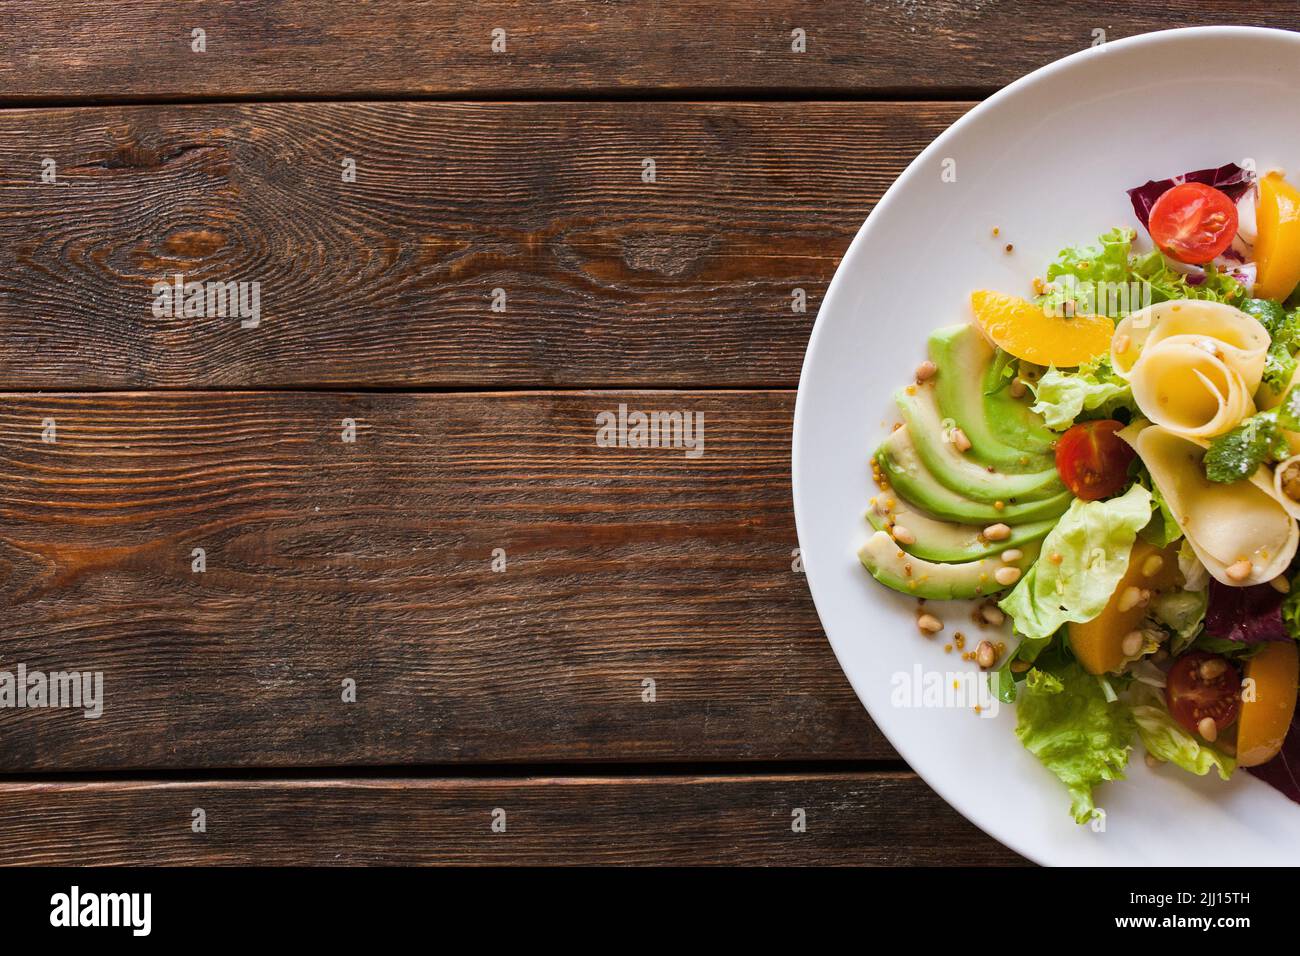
740,819
373,561
388,281
142,50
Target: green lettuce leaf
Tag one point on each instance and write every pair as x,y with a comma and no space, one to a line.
1153,273
1163,529
1183,613
1220,645
1284,331
1165,738
1291,607
1270,314
1279,365
1081,275
1061,397
1065,721
1288,411
1108,278
1104,261
1093,540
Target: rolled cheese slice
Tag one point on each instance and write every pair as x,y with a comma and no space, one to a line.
1187,390
1238,339
1225,524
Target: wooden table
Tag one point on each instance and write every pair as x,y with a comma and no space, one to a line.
609,650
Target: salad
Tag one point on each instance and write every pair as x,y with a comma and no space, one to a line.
1108,471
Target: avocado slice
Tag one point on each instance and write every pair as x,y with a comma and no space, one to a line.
952,469
936,581
945,541
1014,422
912,481
993,423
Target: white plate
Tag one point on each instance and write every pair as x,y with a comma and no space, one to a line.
1047,160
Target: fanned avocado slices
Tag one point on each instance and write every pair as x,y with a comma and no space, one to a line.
937,540
912,482
971,393
955,469
969,481
936,581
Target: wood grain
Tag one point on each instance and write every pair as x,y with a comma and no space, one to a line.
388,281
888,818
371,561
101,49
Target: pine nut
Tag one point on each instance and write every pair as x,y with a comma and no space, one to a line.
993,615
1012,554
985,655
926,370
1132,643
1018,388
903,536
1239,571
1152,565
929,624
1280,583
1129,598
1212,669
997,532
960,440
1006,576
1208,729
1153,761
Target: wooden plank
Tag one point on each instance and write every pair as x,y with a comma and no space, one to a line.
888,818
145,49
606,280
372,561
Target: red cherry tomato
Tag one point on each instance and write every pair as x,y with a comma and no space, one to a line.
1194,691
1193,222
1093,460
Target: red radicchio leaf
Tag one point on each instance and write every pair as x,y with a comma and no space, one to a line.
1230,179
1247,615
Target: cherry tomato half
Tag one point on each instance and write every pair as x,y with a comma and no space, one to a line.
1093,460
1194,691
1193,222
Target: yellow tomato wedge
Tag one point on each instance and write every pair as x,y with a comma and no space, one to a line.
1029,333
1266,716
1277,244
1098,643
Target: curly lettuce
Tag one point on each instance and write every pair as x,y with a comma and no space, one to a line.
1168,740
1183,614
1081,272
1163,283
1064,719
1108,278
1084,557
1284,332
1062,397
